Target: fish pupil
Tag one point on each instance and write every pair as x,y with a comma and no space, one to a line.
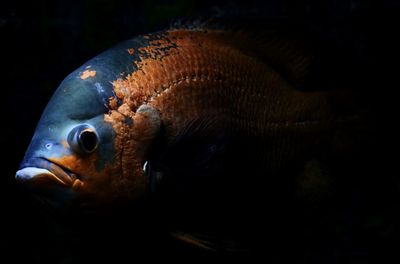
88,140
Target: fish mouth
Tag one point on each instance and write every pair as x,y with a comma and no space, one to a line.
42,172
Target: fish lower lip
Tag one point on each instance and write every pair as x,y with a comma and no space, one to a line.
41,170
33,174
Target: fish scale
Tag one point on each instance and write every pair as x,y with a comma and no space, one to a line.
244,92
247,87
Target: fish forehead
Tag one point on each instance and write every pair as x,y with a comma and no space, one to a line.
95,79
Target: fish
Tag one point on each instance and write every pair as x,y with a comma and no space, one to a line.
171,108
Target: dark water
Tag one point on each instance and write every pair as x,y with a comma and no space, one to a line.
43,41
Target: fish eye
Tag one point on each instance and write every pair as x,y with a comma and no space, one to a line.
83,139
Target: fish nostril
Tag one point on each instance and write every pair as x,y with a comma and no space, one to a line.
48,145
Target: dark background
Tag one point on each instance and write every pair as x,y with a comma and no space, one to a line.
43,41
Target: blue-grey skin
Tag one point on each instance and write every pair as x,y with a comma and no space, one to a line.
77,101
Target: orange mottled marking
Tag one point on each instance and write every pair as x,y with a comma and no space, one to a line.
91,180
103,182
131,51
88,73
209,67
82,166
190,74
113,102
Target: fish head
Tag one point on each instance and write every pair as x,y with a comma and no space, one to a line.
82,152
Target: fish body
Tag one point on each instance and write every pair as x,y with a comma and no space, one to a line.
121,110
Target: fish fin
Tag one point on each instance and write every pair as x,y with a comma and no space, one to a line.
193,240
196,151
154,176
314,181
208,242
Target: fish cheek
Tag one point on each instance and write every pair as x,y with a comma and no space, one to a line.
102,185
83,166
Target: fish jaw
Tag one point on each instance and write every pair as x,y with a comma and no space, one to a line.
38,175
